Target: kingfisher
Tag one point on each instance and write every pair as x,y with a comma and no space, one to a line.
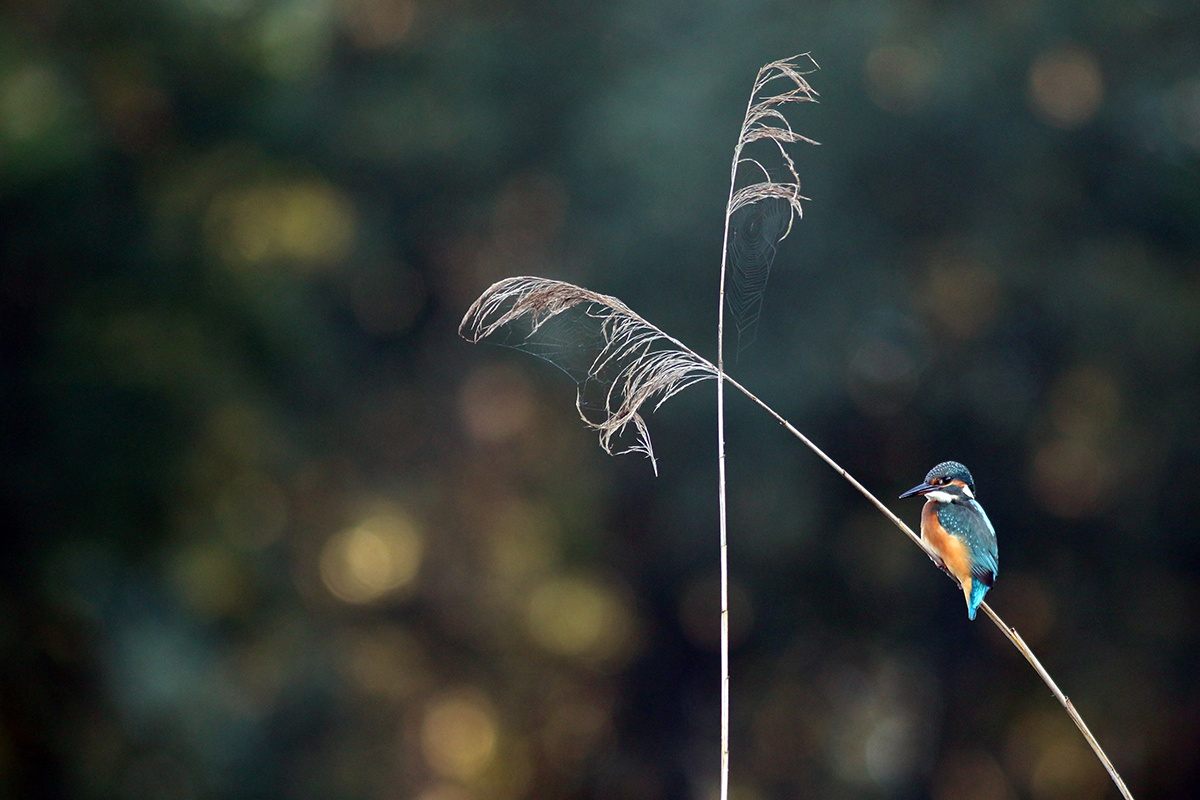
956,527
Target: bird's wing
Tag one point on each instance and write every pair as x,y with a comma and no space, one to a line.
968,522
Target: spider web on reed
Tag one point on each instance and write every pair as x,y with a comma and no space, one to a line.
619,361
760,214
754,235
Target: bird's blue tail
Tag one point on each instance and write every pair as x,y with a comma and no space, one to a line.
978,590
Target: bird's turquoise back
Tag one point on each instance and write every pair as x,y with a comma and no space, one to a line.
965,520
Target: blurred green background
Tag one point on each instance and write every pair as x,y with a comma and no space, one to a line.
272,529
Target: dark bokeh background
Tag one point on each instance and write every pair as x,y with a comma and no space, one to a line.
271,529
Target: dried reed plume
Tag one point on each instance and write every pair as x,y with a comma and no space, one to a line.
765,121
633,363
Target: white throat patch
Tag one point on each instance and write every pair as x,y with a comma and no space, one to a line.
940,496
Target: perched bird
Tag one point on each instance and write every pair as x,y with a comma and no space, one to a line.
955,525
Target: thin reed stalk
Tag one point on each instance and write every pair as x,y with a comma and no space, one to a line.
762,122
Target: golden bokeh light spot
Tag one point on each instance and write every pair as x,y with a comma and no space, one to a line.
1162,604
1183,115
305,223
32,100
573,731
446,790
131,100
1085,403
1066,770
295,38
386,299
210,580
497,403
252,509
1075,472
378,24
153,348
522,539
871,560
375,558
315,223
238,432
1071,477
786,722
1030,607
1065,86
881,376
901,77
1046,754
224,9
526,225
459,734
970,775
961,292
387,662
261,667
528,214
579,616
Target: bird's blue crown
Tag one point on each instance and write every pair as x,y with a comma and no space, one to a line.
951,471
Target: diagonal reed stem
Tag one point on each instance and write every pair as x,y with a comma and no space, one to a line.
1004,627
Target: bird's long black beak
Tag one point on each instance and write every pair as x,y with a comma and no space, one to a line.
922,489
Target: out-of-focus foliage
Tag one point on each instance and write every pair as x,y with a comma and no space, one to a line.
273,530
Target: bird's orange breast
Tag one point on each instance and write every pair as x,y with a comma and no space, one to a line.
953,551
